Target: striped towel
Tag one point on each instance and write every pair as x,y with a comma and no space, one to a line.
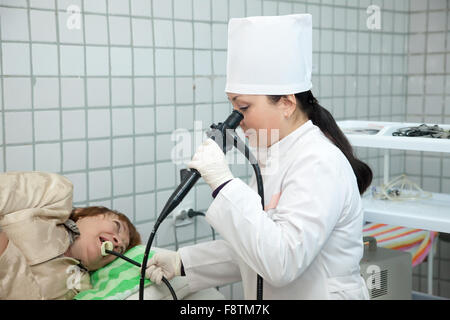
415,241
118,279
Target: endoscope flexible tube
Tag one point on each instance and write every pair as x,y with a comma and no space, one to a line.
107,248
221,131
177,196
243,148
189,180
137,264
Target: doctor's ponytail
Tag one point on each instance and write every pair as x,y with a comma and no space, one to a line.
323,119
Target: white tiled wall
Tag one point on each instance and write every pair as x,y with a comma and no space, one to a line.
99,103
428,102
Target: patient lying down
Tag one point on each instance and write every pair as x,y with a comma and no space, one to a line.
47,248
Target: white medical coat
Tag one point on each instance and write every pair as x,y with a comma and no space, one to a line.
307,244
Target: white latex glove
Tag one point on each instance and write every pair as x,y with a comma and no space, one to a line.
210,161
165,263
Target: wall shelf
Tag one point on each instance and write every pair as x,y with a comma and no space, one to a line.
385,140
428,214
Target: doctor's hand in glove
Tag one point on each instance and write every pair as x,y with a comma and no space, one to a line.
209,160
164,263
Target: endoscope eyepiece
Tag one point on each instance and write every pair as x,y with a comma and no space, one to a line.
233,120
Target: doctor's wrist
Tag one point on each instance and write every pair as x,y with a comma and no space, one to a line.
217,190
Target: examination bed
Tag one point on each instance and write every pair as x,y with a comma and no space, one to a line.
119,280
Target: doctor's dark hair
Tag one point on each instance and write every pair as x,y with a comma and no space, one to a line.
322,118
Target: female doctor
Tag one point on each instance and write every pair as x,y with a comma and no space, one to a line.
306,243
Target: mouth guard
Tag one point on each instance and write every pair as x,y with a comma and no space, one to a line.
107,245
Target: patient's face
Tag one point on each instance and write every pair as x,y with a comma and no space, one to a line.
93,232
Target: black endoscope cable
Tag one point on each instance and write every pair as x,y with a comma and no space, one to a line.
243,148
137,264
192,176
259,279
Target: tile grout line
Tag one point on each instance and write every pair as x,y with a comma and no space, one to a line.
2,101
60,111
32,80
133,113
194,93
284,1
155,168
422,154
446,44
111,121
86,111
174,83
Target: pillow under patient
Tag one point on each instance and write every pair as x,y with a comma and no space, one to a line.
120,279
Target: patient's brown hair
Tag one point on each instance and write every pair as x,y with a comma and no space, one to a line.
135,237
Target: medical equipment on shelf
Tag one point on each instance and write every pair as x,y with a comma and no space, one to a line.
399,189
224,135
365,131
107,248
423,131
387,272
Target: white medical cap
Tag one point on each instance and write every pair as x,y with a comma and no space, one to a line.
270,55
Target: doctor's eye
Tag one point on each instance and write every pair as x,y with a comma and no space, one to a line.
243,108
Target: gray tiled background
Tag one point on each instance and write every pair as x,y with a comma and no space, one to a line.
428,93
94,89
